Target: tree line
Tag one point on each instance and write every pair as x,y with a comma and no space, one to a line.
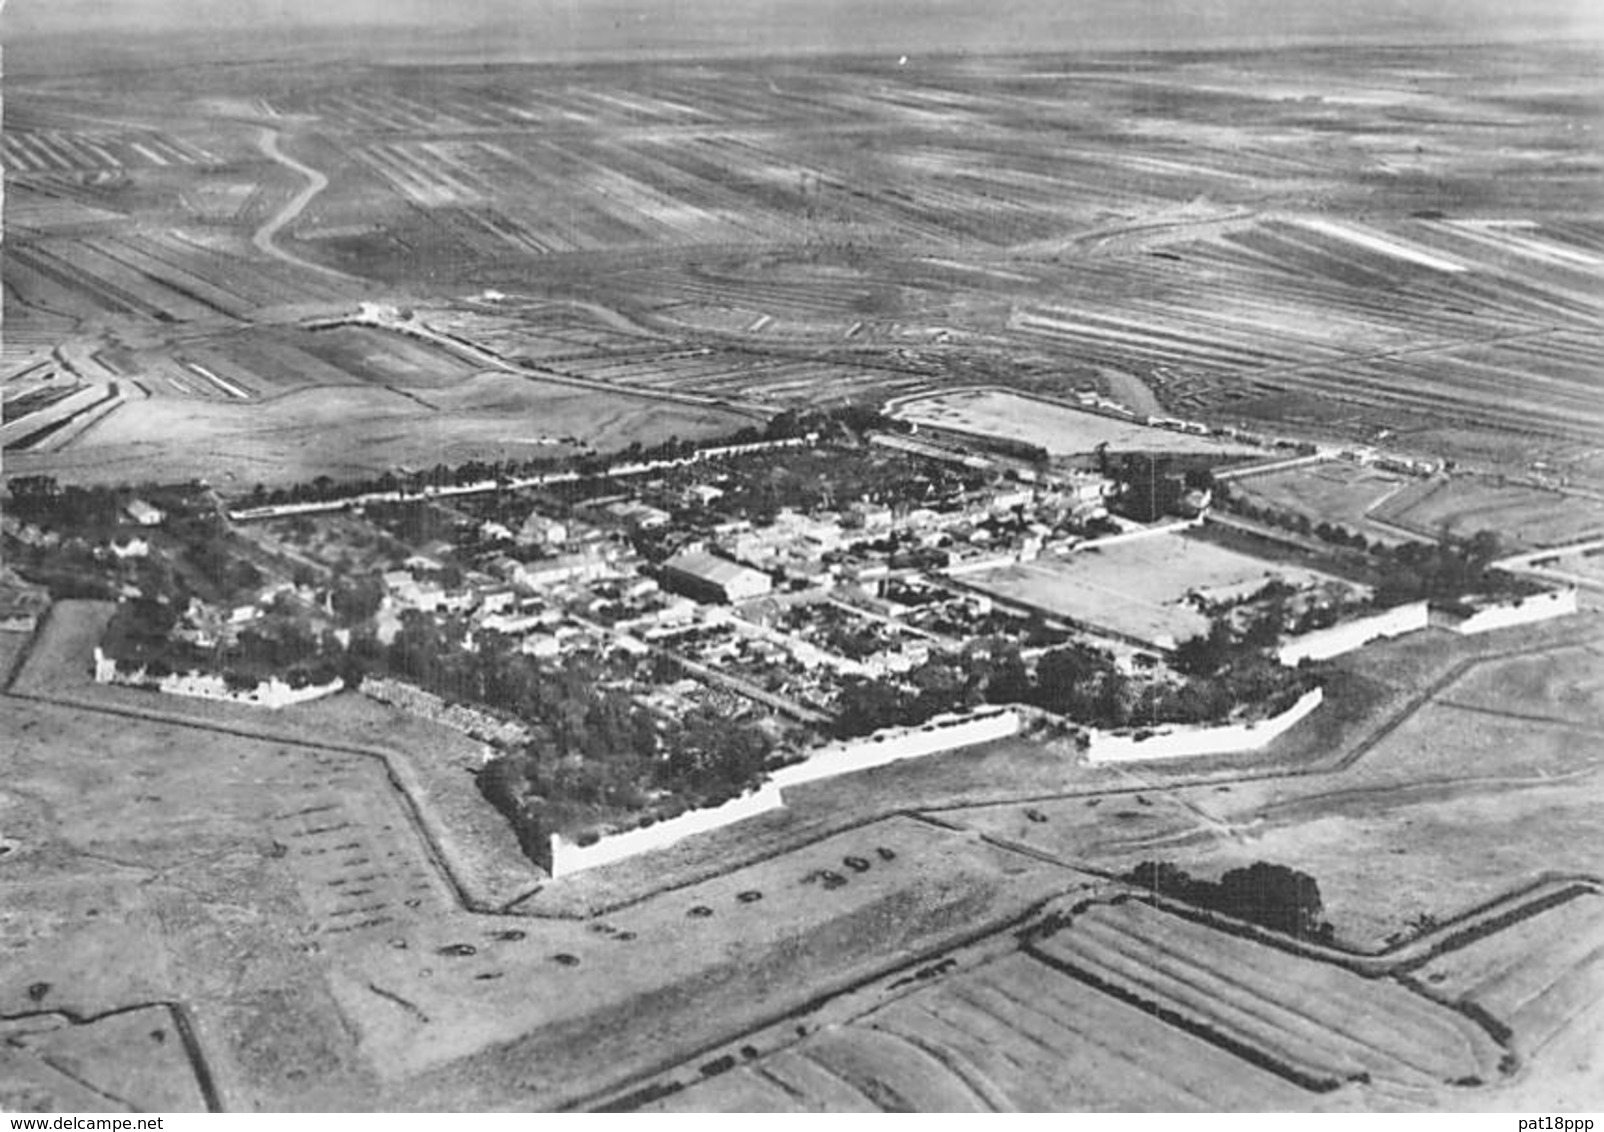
1081,683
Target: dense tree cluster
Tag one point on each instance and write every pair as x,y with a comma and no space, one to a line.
700,760
1273,896
70,509
281,644
1444,572
1076,681
595,755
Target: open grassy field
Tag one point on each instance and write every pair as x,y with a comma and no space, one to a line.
1525,515
1455,806
430,765
212,883
128,1061
677,972
1483,774
1138,589
353,432
1060,429
1335,491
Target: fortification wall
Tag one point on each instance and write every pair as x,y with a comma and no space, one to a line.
1339,639
270,693
1174,527
1522,611
568,857
1182,741
944,733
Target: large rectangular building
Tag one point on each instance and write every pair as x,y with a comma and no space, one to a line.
710,578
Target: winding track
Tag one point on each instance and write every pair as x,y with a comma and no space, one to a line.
316,182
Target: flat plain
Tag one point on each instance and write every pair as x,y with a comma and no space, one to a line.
1387,240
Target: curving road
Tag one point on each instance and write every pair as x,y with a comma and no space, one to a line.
316,182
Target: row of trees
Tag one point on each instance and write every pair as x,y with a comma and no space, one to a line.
1334,534
1075,681
41,500
1443,571
324,489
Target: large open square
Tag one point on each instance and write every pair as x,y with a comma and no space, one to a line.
1141,588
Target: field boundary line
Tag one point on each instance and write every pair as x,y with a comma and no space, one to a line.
610,1099
182,1022
1524,717
1538,895
1149,1002
411,806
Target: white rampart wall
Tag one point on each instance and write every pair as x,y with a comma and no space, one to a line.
944,733
1184,741
271,693
1174,527
1324,643
1538,607
567,857
981,565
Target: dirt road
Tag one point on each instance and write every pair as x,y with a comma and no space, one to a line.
316,182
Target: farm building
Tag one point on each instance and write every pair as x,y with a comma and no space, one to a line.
541,530
548,572
143,513
21,605
708,577
129,546
1083,487
637,516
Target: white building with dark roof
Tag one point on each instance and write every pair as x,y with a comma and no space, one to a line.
710,578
